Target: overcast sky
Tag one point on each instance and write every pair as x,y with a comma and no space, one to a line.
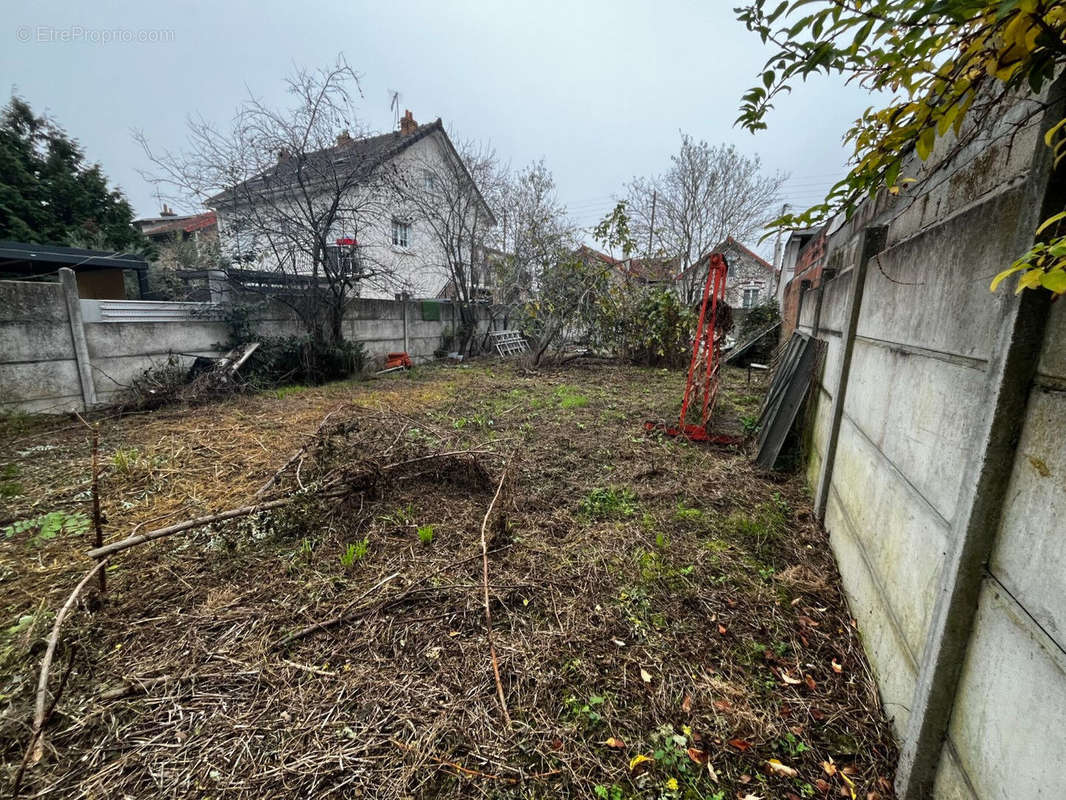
600,90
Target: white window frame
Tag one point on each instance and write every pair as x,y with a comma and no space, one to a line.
754,295
429,180
401,234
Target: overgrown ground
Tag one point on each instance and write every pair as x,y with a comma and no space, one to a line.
668,620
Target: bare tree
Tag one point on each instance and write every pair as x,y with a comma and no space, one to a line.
447,195
708,194
533,236
534,229
294,188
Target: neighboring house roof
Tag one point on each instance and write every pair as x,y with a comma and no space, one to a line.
22,258
585,253
729,243
364,155
190,223
650,270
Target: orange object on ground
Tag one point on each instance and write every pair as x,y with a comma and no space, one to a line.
393,360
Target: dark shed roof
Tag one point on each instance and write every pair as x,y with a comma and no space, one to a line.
22,258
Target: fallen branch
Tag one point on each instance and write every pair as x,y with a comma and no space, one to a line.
346,615
35,748
132,541
488,612
285,641
296,456
130,688
313,670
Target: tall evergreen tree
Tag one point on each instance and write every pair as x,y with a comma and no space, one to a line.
50,195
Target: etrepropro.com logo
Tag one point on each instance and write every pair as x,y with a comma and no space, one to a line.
52,34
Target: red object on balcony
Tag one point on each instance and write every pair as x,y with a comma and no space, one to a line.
347,242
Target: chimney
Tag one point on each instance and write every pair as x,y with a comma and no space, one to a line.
167,211
407,124
344,138
283,155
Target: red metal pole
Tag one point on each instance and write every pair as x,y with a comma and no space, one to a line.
695,351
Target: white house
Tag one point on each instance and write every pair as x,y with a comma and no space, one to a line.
355,201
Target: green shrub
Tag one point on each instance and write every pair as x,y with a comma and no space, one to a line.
645,326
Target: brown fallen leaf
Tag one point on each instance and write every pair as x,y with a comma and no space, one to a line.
645,675
711,773
722,705
810,682
730,602
686,704
778,768
796,602
837,667
722,629
616,743
822,785
829,767
739,744
557,743
698,756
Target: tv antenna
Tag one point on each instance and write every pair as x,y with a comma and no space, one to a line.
394,106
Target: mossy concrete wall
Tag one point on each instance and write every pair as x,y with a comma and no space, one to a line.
915,416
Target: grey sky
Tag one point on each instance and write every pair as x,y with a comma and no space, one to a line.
598,89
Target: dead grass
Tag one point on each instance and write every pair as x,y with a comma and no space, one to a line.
663,597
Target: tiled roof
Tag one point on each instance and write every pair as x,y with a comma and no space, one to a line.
363,155
729,243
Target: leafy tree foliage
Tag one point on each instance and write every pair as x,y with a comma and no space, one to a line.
946,66
50,195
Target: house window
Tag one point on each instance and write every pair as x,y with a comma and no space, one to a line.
401,234
751,297
429,180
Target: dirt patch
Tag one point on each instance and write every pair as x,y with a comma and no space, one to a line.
667,620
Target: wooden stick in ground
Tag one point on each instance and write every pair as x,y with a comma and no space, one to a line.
488,612
296,456
159,533
35,749
96,493
96,503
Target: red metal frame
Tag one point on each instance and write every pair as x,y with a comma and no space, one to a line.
706,353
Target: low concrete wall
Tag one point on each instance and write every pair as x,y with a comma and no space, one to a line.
39,362
919,440
38,367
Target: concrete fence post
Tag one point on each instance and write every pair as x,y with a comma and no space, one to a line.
77,333
873,241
